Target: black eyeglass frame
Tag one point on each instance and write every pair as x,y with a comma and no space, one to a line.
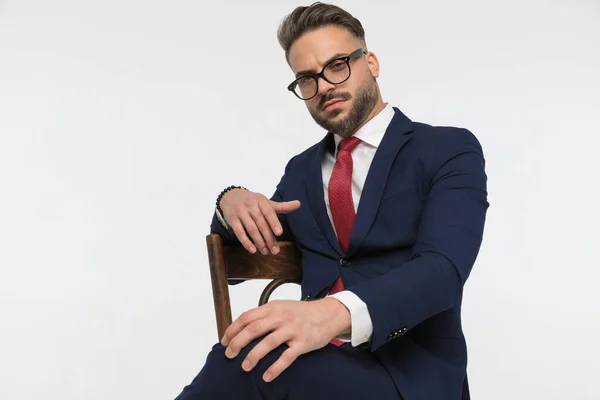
355,54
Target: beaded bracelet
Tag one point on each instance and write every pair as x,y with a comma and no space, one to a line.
227,189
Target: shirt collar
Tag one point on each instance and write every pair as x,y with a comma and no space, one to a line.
372,132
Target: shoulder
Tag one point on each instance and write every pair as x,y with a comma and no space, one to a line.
444,141
443,134
305,157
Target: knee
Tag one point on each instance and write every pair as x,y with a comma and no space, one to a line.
219,378
219,364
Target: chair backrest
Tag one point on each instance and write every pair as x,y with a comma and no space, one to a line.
230,263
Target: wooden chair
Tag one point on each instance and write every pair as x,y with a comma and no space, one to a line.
228,263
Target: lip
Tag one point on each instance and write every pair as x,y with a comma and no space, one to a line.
327,106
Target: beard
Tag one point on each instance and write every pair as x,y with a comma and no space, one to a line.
365,100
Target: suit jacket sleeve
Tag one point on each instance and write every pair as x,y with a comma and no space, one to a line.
448,241
228,234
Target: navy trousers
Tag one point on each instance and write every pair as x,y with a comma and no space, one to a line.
332,372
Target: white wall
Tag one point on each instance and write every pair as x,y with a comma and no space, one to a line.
121,120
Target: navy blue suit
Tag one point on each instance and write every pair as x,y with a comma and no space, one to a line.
416,236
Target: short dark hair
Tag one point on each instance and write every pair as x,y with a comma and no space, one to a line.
309,18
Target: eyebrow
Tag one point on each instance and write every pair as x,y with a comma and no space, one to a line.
312,71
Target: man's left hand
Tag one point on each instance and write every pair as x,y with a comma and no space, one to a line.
303,325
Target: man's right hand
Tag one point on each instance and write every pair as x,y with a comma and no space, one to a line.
246,211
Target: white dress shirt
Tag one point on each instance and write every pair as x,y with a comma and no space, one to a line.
370,135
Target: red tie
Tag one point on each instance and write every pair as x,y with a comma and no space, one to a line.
341,204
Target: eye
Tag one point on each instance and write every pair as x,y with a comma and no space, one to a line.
304,81
337,65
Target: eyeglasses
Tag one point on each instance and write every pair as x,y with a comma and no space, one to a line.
335,72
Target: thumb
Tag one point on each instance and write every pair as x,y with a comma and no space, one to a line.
285,207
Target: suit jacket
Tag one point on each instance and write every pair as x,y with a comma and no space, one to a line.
416,236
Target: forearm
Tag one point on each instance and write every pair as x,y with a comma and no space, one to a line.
409,294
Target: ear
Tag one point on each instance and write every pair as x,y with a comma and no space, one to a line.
373,63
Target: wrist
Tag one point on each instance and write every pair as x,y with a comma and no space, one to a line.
223,193
339,315
227,196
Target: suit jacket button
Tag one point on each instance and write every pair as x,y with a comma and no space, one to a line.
344,262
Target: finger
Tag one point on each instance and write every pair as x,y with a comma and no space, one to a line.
285,206
265,230
252,229
285,360
264,347
238,228
271,216
245,319
270,224
253,331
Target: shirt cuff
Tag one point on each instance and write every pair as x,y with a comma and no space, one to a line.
360,319
222,220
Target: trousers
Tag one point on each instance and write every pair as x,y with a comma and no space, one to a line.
333,372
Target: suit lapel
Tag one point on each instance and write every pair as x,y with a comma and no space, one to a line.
314,188
396,136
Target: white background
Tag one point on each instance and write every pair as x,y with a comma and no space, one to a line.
121,120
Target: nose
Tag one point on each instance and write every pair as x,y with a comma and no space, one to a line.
325,86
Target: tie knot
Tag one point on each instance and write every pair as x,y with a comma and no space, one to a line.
349,144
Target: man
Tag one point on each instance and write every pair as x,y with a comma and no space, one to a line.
389,216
